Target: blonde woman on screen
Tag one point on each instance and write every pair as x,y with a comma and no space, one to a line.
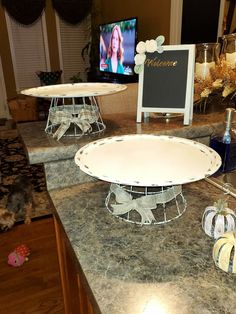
114,59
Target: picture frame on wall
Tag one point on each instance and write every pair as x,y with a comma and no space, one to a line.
166,84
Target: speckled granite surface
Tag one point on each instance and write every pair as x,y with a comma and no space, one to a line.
58,157
133,269
149,269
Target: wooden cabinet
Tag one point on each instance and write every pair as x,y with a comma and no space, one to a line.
23,109
78,298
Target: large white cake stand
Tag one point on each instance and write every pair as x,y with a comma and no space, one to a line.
146,173
68,115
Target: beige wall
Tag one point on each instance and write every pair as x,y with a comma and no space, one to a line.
153,15
120,102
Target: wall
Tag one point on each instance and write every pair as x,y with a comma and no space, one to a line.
125,102
153,15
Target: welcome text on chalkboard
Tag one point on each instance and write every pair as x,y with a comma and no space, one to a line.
167,81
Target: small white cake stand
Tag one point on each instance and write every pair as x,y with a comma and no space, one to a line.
67,114
146,173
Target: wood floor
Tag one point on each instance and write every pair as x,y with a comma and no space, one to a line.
35,286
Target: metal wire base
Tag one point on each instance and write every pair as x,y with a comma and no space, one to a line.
146,205
71,113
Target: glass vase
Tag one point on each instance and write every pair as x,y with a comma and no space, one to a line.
229,49
207,56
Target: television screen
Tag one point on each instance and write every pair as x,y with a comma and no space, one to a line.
117,47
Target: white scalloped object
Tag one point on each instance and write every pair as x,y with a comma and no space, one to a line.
215,224
224,252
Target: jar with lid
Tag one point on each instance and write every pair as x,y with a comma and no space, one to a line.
207,56
229,49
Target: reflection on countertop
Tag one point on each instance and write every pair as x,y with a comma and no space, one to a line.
225,181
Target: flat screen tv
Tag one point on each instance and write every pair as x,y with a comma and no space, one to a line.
117,50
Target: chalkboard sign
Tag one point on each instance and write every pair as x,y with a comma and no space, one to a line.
167,81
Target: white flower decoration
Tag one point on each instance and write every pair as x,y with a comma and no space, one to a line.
139,58
141,47
149,46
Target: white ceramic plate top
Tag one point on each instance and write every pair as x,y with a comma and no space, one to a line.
74,90
147,160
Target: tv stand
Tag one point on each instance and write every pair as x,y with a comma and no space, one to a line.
112,78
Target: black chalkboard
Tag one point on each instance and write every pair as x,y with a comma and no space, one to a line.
165,86
166,82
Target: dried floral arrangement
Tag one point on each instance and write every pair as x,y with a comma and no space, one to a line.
220,83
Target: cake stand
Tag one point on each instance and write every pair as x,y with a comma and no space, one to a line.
74,110
146,173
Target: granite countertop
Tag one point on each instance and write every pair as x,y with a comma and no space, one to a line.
146,269
42,148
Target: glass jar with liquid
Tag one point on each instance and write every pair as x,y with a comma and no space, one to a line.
207,56
224,143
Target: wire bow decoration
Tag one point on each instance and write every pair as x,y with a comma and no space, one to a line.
83,118
144,204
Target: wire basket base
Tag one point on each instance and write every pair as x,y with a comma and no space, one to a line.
146,205
75,131
74,120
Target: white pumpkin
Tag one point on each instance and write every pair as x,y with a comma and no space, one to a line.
218,219
224,252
